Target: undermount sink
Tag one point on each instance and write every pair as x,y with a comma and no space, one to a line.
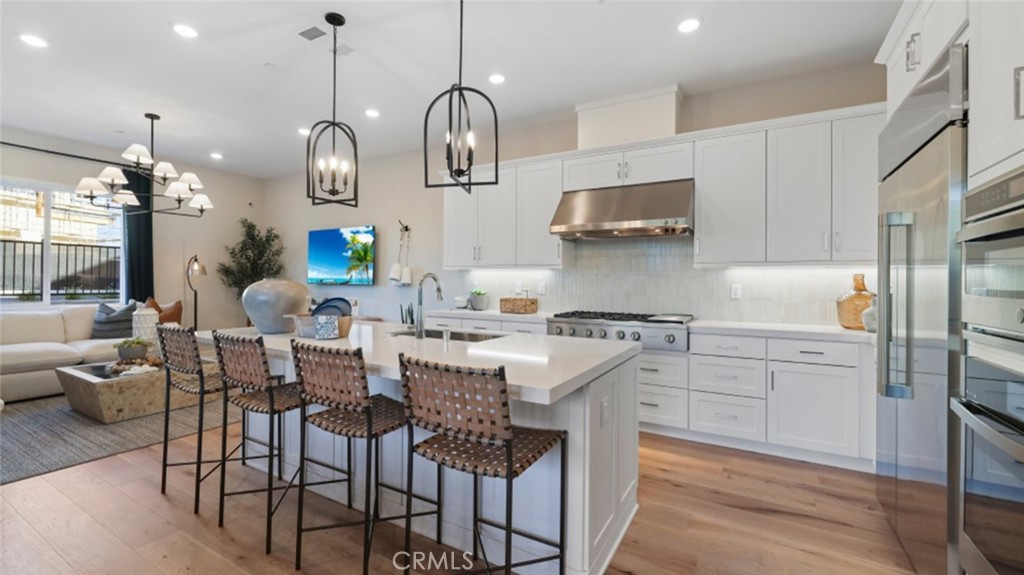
469,336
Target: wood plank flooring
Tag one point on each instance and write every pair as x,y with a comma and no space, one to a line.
703,510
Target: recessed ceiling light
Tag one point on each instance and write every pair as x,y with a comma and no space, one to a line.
497,79
216,155
186,31
689,25
35,41
371,113
304,131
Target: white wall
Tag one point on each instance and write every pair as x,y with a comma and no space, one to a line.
175,239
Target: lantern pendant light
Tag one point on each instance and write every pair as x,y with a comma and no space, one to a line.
459,139
330,178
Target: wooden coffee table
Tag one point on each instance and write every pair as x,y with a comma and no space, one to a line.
93,391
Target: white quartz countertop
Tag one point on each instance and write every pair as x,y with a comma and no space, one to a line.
781,330
540,369
539,317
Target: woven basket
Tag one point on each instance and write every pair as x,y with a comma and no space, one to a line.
518,305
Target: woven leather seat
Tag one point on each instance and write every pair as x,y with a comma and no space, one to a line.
388,416
189,383
286,398
528,446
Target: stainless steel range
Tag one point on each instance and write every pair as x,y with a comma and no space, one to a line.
664,332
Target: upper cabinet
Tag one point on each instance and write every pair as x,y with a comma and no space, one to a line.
855,188
538,190
637,166
799,185
921,32
996,64
729,226
480,228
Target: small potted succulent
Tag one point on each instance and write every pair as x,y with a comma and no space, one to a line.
478,300
132,348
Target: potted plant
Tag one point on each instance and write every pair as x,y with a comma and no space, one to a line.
256,256
132,348
478,300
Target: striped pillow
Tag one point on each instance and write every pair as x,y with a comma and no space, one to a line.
111,323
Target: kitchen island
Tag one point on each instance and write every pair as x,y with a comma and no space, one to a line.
585,387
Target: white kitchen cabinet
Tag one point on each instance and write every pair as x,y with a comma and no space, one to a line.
635,166
524,327
855,188
538,190
480,227
996,62
813,407
728,375
741,417
663,405
667,370
730,199
442,323
481,324
799,187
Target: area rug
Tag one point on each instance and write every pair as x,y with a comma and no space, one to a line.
43,435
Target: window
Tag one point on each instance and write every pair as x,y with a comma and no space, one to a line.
55,247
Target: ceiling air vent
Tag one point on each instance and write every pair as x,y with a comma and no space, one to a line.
312,33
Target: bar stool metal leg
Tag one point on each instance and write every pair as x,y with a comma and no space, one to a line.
348,468
408,498
167,430
508,508
280,446
245,435
440,498
224,452
270,474
302,486
199,443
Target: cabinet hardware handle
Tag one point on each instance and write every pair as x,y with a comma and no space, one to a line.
915,49
441,325
1018,408
626,174
650,369
696,247
805,352
773,380
523,331
648,404
559,249
1017,73
480,327
835,242
826,237
618,171
726,376
727,346
480,252
728,416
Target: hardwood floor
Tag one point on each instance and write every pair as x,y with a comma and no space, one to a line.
703,510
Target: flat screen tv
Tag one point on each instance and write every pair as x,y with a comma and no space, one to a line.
341,256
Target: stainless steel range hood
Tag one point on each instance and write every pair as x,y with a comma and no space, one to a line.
658,210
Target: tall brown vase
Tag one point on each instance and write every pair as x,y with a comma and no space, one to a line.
852,304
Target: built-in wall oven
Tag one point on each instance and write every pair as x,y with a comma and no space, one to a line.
991,403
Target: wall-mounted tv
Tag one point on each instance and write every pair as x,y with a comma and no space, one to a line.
341,256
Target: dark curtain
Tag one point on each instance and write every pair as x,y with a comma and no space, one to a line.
138,240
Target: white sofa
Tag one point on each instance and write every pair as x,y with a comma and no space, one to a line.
34,342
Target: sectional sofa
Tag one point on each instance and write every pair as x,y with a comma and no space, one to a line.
34,342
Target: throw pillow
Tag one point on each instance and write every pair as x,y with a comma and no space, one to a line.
111,323
168,314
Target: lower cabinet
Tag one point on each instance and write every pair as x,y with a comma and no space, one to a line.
741,417
814,407
442,323
663,405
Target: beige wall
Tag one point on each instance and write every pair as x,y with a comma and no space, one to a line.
826,90
175,239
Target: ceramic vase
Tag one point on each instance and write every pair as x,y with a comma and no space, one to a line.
479,302
268,301
130,352
851,305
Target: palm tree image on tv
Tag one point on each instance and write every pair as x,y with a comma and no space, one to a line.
341,256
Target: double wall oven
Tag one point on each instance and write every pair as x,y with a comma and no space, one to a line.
991,404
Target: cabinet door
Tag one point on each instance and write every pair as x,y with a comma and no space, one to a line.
442,322
904,66
730,199
855,188
538,190
997,96
496,217
814,407
800,193
599,171
658,164
459,233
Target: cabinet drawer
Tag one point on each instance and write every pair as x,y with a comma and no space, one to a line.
481,324
741,417
728,346
662,405
819,352
524,327
729,375
662,370
442,323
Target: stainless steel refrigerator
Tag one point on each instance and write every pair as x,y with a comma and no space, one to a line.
922,164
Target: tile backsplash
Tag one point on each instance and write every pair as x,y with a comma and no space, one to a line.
658,275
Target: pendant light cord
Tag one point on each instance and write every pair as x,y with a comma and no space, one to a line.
461,8
334,95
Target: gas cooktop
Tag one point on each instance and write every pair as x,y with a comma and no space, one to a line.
664,332
612,316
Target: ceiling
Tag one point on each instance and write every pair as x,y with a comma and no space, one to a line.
249,81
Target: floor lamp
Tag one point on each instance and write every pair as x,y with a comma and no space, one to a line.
194,268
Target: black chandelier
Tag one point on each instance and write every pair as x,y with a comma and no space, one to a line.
332,180
460,141
112,181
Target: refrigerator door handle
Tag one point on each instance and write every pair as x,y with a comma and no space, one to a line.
883,346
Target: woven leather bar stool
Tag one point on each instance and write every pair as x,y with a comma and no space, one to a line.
243,364
336,379
184,372
467,409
